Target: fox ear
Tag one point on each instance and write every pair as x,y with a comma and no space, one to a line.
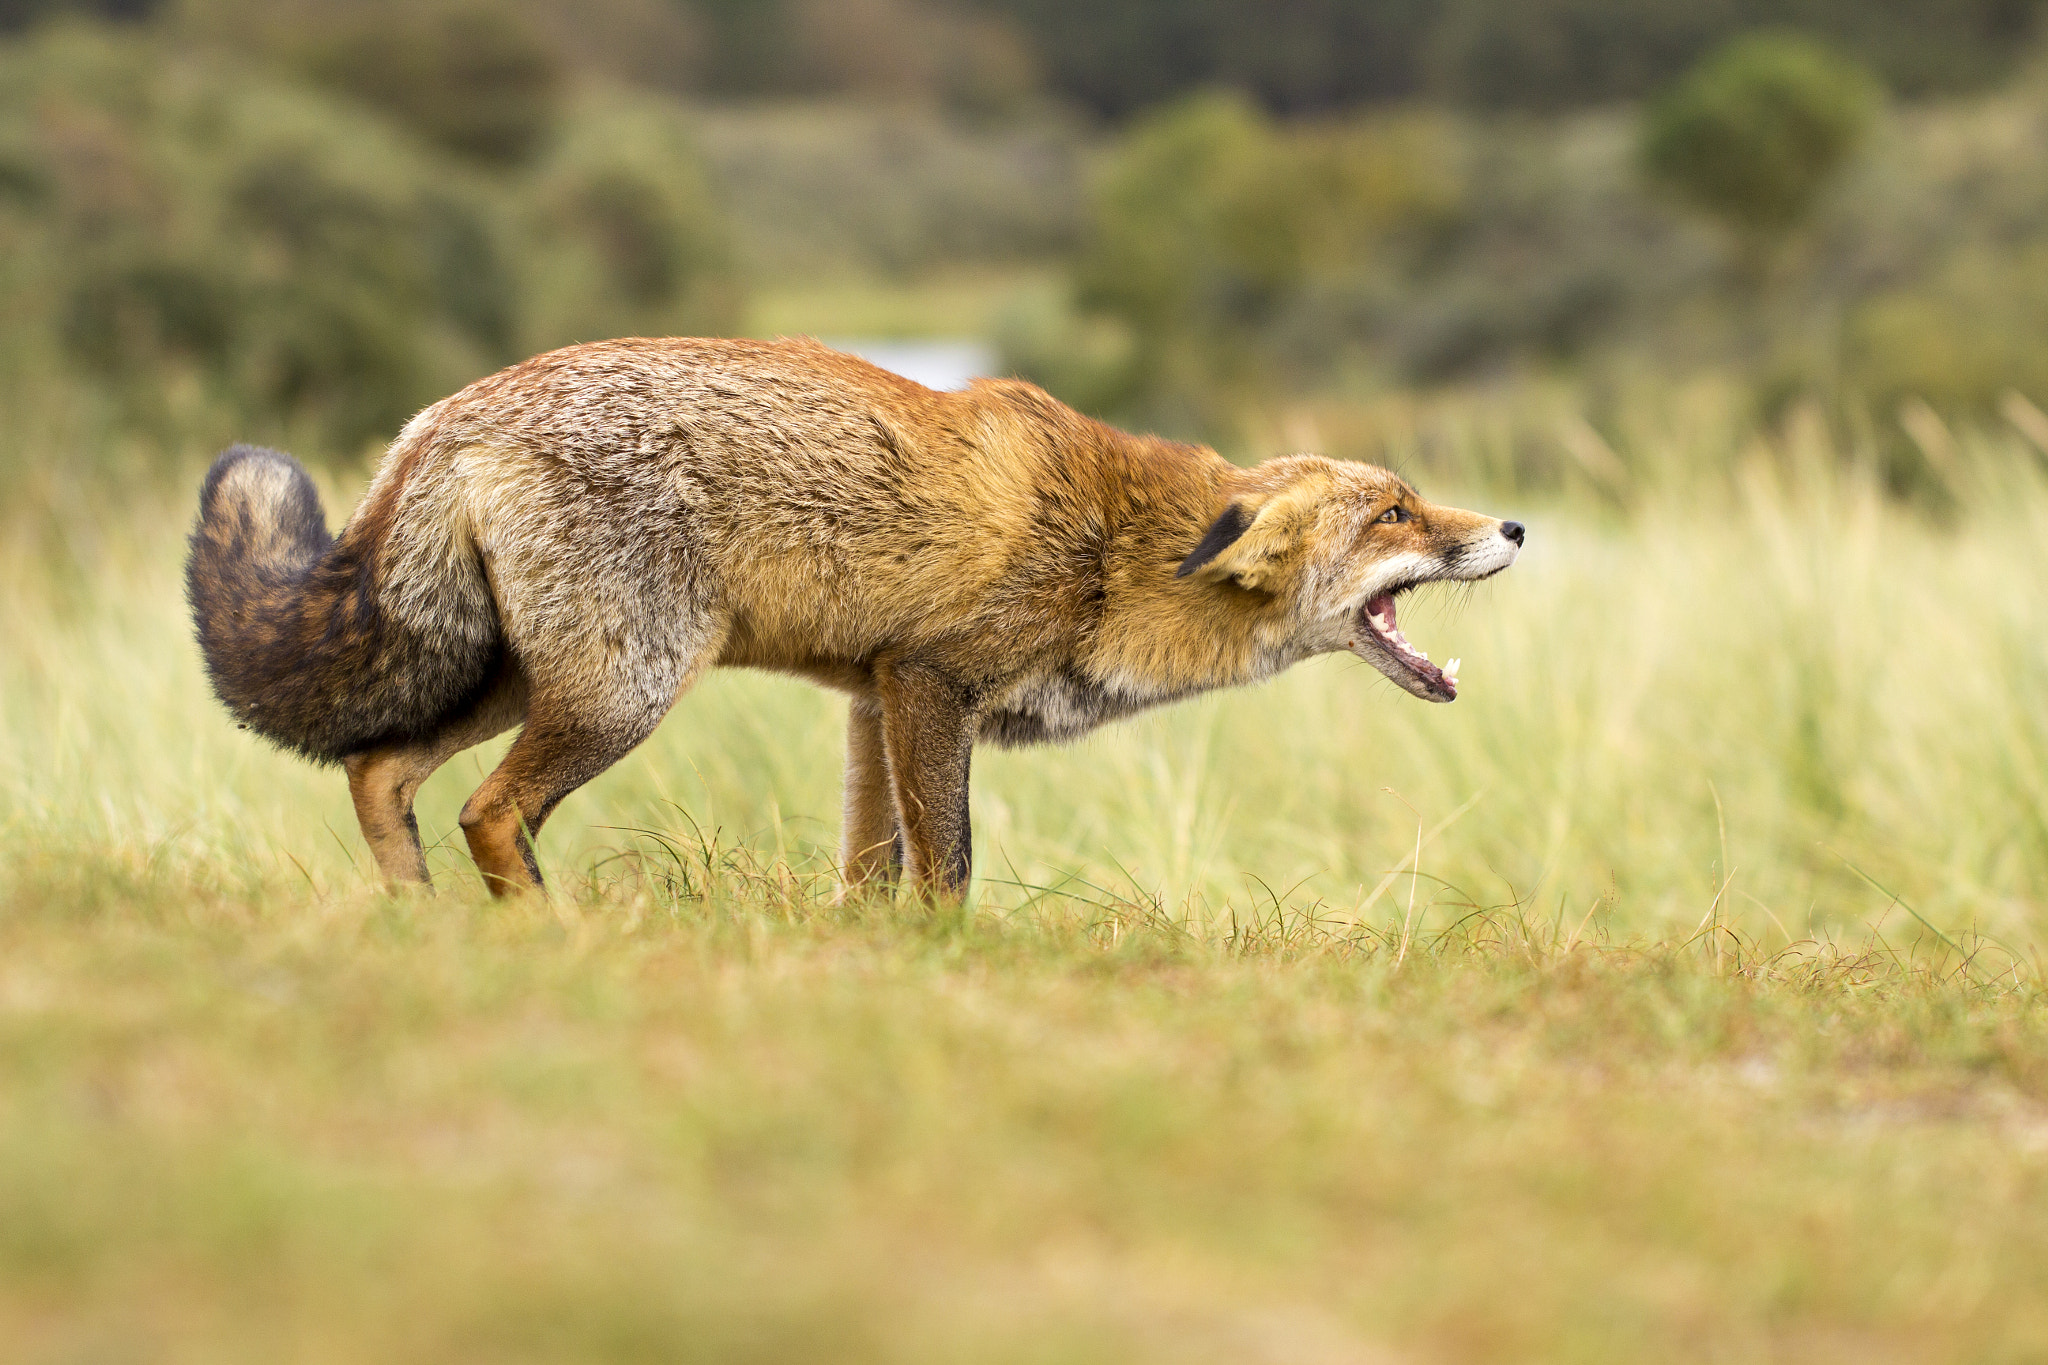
1222,534
1248,544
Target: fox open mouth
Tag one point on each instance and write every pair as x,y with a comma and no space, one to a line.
1380,643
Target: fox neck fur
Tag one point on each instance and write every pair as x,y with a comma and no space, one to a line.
1070,620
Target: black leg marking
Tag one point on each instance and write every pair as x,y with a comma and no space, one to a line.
960,859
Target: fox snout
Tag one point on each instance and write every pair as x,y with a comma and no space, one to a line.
1467,547
1497,545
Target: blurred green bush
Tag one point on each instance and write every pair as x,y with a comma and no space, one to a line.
470,77
623,228
313,264
1212,233
1754,133
892,189
306,236
1958,341
1233,263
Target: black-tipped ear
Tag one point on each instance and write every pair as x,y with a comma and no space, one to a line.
1222,534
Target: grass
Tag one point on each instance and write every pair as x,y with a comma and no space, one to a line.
1753,698
1674,995
760,1129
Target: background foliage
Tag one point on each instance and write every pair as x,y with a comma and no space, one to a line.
1117,56
183,228
302,221
1753,135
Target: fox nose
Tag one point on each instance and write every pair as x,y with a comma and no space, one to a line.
1513,530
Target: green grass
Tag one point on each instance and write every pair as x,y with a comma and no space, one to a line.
281,1127
1305,1024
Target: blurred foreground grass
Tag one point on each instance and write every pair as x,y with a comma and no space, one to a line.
1307,1024
255,1128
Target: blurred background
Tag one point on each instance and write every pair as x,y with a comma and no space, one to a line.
1274,1039
1253,222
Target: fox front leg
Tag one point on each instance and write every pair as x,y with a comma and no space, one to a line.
870,844
928,727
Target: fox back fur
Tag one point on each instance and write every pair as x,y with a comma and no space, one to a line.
567,544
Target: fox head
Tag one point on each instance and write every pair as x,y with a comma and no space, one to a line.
1330,545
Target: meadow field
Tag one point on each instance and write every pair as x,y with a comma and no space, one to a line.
1675,994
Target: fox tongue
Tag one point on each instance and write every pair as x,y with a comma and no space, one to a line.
1380,612
1442,680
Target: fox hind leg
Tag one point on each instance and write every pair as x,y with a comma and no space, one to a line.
557,752
580,720
382,782
610,611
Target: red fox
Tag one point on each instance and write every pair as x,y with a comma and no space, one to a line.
569,543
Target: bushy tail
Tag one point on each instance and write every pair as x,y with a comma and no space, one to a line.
297,633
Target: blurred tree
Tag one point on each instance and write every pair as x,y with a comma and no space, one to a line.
749,45
873,48
1212,223
634,237
1117,57
471,77
336,301
16,15
924,50
1293,56
1753,134
1298,56
1559,54
660,44
1562,54
897,49
1195,238
1917,47
298,267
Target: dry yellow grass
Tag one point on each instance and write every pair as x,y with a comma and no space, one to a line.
1734,695
1635,1066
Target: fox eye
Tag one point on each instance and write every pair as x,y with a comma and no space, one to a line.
1393,515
